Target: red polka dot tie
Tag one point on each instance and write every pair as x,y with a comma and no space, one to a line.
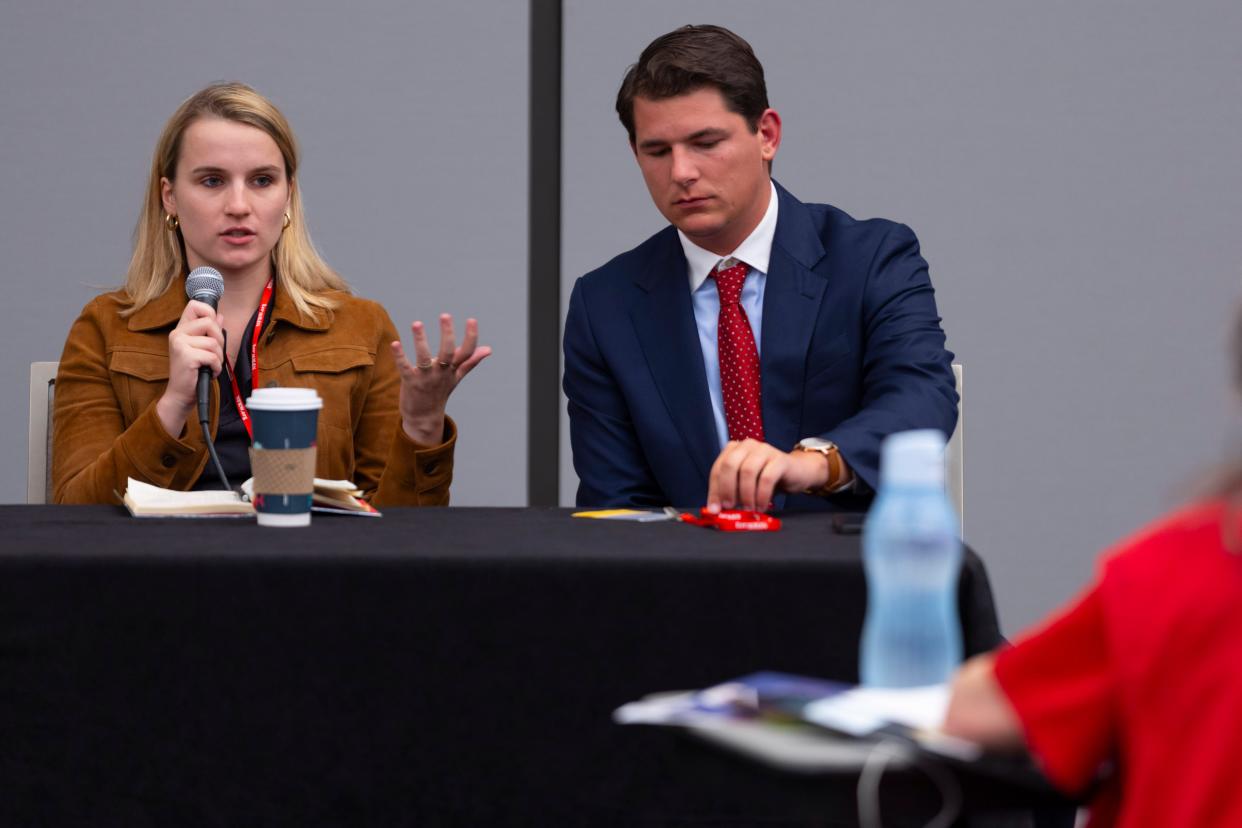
739,358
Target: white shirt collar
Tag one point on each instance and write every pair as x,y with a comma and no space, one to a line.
755,250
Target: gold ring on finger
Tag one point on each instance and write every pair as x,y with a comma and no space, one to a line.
423,366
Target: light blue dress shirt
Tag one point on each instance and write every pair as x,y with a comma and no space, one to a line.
755,251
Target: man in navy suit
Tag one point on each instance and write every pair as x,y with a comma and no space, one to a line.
683,391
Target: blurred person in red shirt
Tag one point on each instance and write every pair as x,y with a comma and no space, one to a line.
1132,695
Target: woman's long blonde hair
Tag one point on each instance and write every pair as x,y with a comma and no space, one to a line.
159,253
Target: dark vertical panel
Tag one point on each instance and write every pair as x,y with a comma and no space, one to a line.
544,267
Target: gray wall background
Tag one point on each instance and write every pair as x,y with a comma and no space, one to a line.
1072,172
1071,169
413,125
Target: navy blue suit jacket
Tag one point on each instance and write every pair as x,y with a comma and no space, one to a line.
851,351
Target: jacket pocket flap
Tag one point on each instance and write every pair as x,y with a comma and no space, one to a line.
333,360
140,364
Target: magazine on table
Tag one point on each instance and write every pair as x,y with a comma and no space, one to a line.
812,726
806,724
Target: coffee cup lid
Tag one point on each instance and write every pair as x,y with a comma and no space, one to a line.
284,399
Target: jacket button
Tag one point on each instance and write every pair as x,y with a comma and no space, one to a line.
168,460
431,468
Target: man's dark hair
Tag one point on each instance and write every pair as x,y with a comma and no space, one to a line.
690,58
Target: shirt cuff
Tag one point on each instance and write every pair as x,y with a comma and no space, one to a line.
424,468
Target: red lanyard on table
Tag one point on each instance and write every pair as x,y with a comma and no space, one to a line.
254,361
735,520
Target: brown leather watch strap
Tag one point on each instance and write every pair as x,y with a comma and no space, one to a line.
838,472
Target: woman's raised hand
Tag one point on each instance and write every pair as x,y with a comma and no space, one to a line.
427,382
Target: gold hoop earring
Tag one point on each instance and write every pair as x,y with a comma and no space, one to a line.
171,222
288,221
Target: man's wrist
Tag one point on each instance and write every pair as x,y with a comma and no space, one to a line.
839,475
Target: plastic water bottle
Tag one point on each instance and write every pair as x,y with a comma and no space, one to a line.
912,554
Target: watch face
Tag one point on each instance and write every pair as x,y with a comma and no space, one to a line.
817,444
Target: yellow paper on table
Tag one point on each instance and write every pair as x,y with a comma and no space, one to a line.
639,515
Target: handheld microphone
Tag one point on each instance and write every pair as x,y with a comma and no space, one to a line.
206,285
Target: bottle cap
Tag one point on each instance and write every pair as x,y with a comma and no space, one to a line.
913,458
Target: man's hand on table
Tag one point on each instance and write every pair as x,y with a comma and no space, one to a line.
748,472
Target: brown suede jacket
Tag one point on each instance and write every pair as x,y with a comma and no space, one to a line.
114,369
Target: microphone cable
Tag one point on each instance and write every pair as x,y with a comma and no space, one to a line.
204,419
215,458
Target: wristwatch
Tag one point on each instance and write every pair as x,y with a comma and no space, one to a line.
839,477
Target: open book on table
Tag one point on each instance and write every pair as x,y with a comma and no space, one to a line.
339,497
144,500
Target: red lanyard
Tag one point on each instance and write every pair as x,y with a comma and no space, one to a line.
264,301
735,520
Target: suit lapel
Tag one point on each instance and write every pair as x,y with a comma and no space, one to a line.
791,304
663,319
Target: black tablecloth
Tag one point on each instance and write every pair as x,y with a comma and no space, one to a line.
433,667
